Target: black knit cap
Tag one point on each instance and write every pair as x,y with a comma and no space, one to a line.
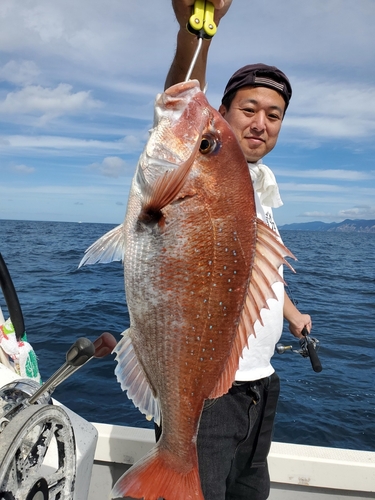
260,75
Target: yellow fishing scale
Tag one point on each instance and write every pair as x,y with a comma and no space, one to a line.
203,19
201,23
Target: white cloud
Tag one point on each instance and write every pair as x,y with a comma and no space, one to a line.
48,103
45,20
332,109
337,174
19,73
56,142
23,169
121,37
318,33
112,166
94,34
334,98
70,190
327,127
94,42
317,214
133,143
285,186
361,212
365,212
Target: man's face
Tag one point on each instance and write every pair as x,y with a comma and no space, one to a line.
255,116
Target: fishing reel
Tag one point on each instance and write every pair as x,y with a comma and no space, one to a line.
309,347
37,441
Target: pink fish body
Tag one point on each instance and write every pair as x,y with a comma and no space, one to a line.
198,267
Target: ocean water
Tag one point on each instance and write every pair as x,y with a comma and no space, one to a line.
335,283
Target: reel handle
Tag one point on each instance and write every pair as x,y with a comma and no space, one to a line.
280,348
313,355
79,353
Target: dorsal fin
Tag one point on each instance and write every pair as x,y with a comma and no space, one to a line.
269,256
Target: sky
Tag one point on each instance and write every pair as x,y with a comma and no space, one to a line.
78,81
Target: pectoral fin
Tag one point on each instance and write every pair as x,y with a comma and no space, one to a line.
133,380
108,248
166,187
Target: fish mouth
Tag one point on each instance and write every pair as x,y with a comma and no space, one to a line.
180,88
176,98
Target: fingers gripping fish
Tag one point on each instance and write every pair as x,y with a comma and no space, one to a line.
198,268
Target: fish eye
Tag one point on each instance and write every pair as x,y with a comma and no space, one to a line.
208,144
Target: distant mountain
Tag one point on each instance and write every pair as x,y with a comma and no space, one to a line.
346,226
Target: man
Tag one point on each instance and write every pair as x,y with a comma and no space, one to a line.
235,430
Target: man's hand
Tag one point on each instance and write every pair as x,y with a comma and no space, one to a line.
297,321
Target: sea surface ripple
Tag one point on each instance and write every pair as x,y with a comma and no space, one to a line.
335,283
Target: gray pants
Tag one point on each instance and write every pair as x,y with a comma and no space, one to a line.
234,439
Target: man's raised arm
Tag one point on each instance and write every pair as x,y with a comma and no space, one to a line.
187,44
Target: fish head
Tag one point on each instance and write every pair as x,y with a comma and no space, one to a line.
189,134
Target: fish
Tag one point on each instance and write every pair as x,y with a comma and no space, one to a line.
199,267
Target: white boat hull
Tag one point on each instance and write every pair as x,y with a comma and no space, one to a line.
297,472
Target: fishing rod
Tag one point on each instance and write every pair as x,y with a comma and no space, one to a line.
11,299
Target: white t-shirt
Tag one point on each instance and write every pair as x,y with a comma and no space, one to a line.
255,362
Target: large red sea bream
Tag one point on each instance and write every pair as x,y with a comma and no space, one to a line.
199,267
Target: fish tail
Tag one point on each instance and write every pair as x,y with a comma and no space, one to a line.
153,477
